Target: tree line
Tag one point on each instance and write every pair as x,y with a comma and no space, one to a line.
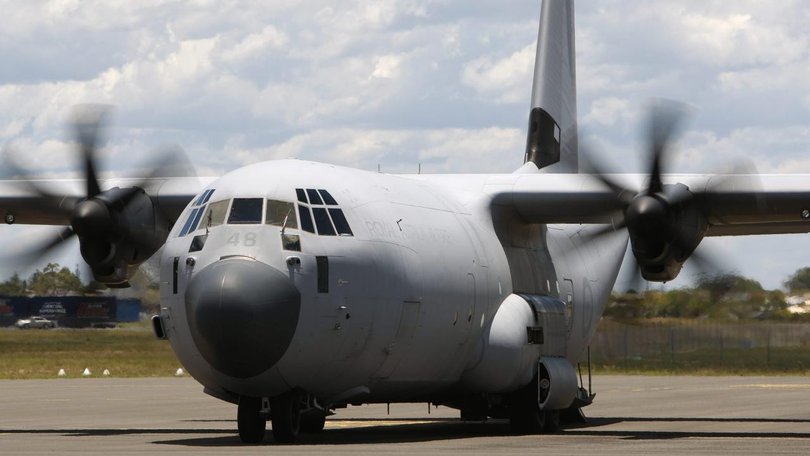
52,280
722,296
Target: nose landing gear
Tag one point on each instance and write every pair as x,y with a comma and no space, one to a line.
286,413
251,421
290,413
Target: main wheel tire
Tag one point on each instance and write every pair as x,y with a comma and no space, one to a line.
313,422
250,421
552,421
525,416
26,326
286,412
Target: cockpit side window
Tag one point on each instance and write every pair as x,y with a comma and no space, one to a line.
306,219
341,225
327,198
330,221
246,211
281,213
187,227
215,214
325,227
196,214
314,198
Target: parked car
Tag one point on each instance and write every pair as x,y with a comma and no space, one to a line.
35,322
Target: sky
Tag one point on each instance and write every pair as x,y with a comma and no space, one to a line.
441,83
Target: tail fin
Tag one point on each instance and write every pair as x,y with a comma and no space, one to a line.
552,136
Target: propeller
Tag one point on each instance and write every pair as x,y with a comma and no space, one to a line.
665,222
117,227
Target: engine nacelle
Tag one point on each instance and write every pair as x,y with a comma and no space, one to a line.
665,228
125,229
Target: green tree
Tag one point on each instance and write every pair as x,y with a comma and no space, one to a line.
799,281
14,286
54,280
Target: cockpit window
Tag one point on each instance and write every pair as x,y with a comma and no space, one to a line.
204,197
281,213
245,211
302,197
314,198
196,214
325,227
327,198
188,226
330,221
306,219
215,214
341,225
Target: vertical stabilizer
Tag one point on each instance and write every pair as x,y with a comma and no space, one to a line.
552,138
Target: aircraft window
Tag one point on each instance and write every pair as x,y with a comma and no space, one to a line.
327,198
278,212
306,219
189,221
215,214
341,224
291,242
302,197
197,243
196,221
208,195
314,198
204,196
246,211
325,227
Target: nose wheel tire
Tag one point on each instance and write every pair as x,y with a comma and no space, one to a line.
552,421
313,422
286,413
250,421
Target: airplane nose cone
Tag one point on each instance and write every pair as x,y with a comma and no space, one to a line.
242,314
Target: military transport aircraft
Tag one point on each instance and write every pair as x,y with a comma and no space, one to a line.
293,288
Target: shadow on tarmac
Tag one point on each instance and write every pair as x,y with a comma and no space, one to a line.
402,430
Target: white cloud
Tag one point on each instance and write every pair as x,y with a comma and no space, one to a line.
611,111
387,67
501,79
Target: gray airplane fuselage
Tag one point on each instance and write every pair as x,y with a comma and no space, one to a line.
414,304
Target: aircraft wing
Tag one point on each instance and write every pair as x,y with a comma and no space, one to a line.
732,204
50,201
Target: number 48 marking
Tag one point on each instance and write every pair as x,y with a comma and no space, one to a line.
248,240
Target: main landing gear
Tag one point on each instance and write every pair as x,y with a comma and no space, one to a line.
525,416
290,414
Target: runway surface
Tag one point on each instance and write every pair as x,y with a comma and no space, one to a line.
631,415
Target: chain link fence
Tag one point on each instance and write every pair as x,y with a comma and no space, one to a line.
701,345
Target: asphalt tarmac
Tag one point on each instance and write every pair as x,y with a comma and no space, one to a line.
631,415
